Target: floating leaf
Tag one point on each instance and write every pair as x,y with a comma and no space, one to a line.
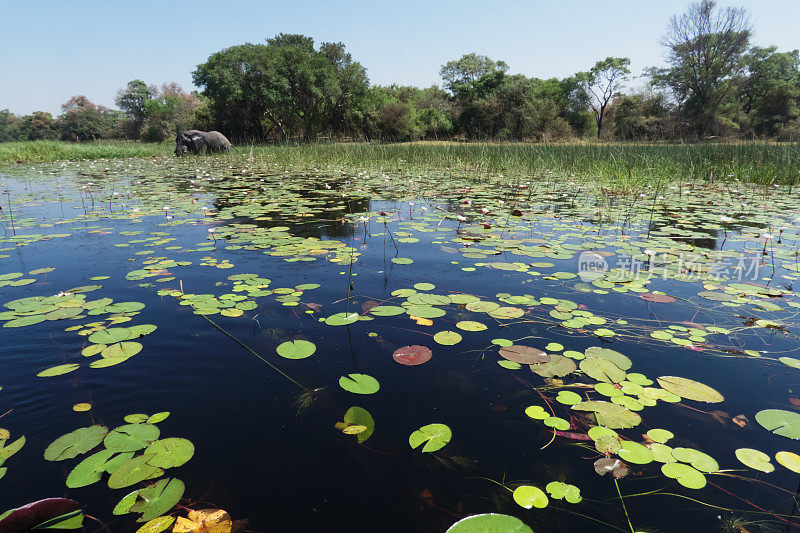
755,459
156,418
788,459
170,452
780,422
435,437
609,414
341,319
524,354
617,468
684,474
660,435
90,470
81,407
204,521
134,471
633,452
362,417
131,437
359,383
447,338
620,360
412,355
699,460
602,370
528,496
558,366
568,397
489,523
110,335
297,349
559,490
158,498
470,325
58,370
75,443
157,525
690,389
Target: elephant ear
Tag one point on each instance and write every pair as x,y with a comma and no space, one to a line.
197,138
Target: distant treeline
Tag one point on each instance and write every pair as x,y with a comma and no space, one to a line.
715,85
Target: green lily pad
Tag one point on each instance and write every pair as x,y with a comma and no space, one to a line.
121,350
170,452
359,416
755,459
387,310
633,452
156,418
435,437
158,498
110,335
75,443
780,422
297,349
489,523
131,437
699,460
559,490
90,470
134,471
622,361
447,338
359,384
58,370
602,370
528,496
157,525
609,414
684,474
558,366
690,389
341,319
660,435
568,397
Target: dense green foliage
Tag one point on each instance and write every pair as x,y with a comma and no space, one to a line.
715,85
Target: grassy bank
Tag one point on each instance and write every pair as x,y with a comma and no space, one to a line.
50,151
621,164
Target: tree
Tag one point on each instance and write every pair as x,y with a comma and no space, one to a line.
286,86
602,83
9,126
705,49
82,120
132,100
170,109
770,92
469,69
39,125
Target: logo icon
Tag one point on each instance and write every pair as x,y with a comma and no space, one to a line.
591,266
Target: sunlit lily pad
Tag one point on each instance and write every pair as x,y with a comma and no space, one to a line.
158,498
447,338
360,417
75,443
788,459
341,319
435,437
524,355
90,470
528,496
684,474
633,452
134,471
131,437
157,525
296,349
755,459
490,523
58,370
170,452
690,389
780,422
609,414
559,490
699,460
359,383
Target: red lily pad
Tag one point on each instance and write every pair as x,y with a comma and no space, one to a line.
524,355
658,298
412,355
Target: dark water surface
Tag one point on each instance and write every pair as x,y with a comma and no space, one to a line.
260,455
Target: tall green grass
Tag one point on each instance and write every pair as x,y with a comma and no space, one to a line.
50,151
621,165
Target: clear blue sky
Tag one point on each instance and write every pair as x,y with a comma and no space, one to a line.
51,50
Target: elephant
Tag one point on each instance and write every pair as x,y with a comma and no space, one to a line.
199,142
